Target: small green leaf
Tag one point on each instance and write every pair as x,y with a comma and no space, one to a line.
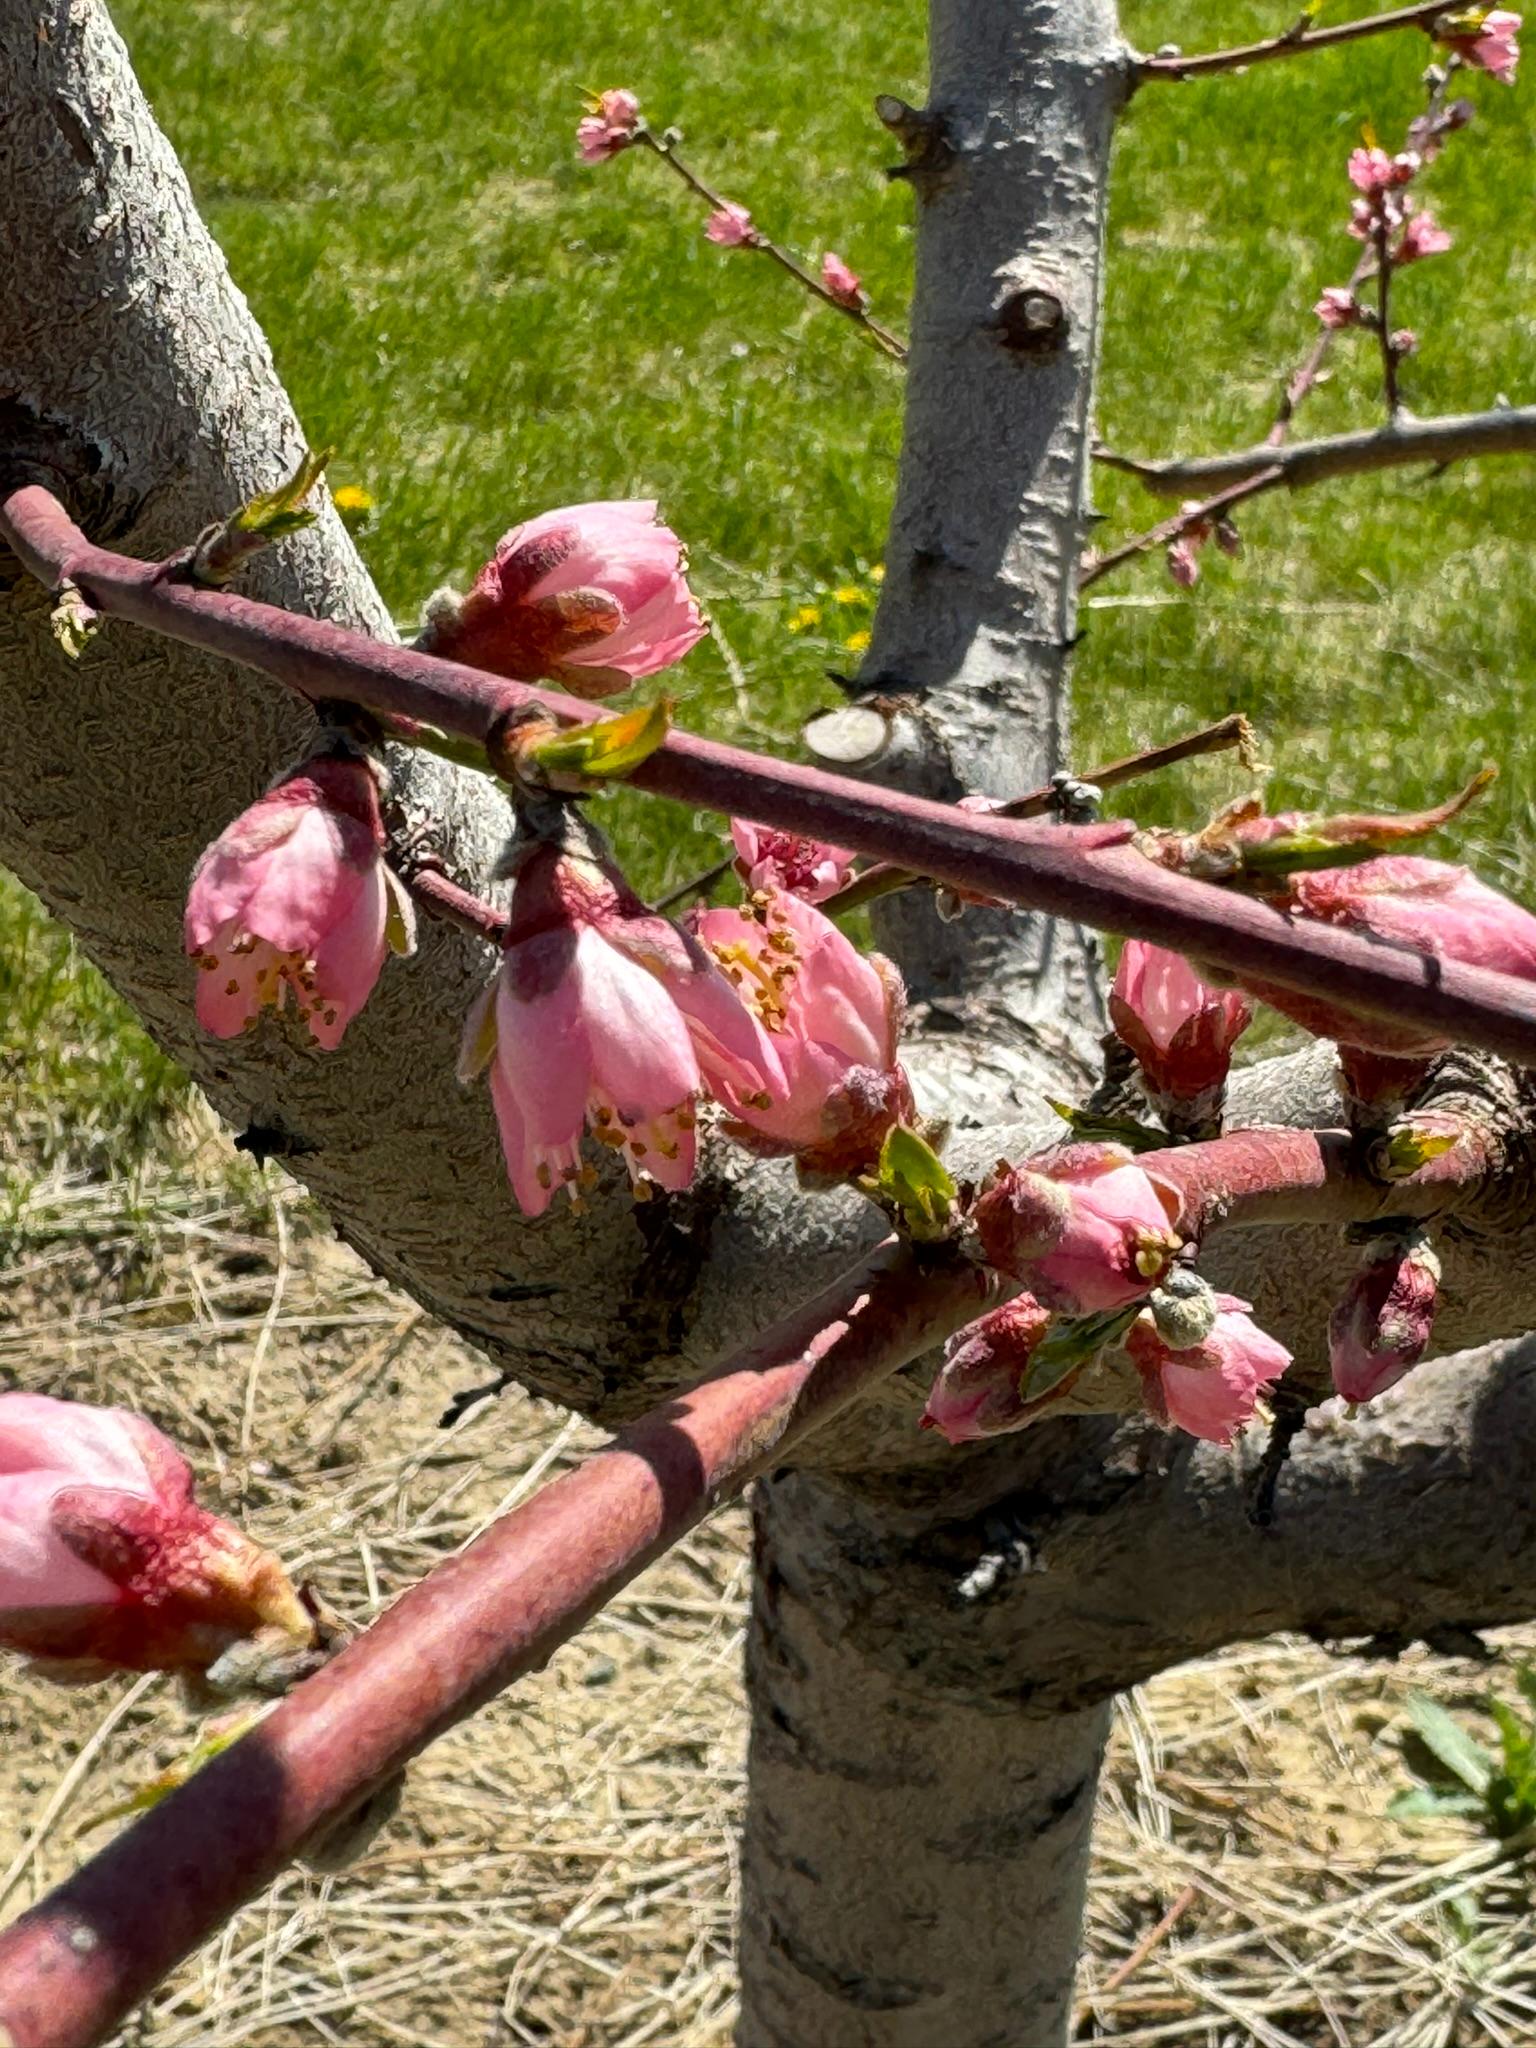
1405,1149
1093,1129
75,623
273,513
610,748
1071,1342
913,1182
1449,1743
176,1774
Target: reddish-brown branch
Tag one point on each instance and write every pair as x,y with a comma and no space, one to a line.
72,1967
1087,874
443,898
1170,529
1294,43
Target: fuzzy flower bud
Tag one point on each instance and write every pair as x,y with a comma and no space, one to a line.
833,1017
731,227
841,282
1084,1227
1382,1327
296,898
609,126
591,596
1211,1388
1181,1030
769,859
976,1391
107,1563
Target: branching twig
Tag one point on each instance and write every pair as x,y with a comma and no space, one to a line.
663,147
1180,522
1503,430
1090,875
1289,44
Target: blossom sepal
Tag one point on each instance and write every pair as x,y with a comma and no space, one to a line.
914,1187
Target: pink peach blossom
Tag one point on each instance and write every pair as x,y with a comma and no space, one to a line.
1184,561
1181,1030
598,1018
731,226
976,1392
841,282
1212,1389
1338,307
591,596
1404,341
1083,1227
296,896
1492,46
1423,236
106,1560
1425,906
769,859
1373,172
833,1017
1382,1327
610,127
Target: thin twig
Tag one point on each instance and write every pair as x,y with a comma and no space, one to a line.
698,885
1289,44
1458,437
881,336
1169,529
1153,1939
1381,240
884,878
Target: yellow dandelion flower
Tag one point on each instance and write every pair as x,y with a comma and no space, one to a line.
877,574
352,498
807,616
857,642
849,593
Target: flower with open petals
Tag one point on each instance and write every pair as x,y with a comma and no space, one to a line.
591,596
769,859
1212,1388
731,227
609,126
1422,236
296,897
841,282
1489,41
1083,1227
1424,906
1181,1030
106,1560
833,1016
1373,172
1382,1327
976,1391
598,1019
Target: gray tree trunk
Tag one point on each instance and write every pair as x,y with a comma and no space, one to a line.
936,1634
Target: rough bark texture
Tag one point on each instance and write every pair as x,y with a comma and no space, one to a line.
935,1633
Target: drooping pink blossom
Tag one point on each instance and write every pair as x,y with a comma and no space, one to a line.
296,897
1373,171
1492,45
591,596
1212,1389
1425,906
1083,1227
106,1560
769,859
1181,1030
1404,341
610,126
976,1391
732,227
598,1020
833,1016
1382,1327
1338,307
1422,236
1184,561
841,282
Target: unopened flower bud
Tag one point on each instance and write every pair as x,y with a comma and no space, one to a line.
1382,1327
976,1392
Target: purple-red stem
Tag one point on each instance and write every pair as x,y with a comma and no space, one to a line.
1085,873
78,1962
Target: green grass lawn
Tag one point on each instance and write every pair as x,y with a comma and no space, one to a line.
484,327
